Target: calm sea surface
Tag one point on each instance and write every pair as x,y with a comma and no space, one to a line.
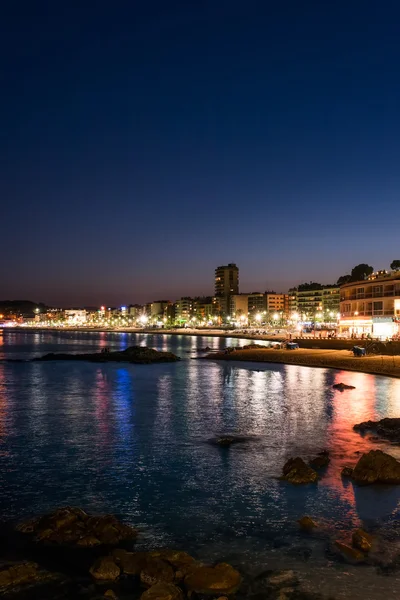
132,440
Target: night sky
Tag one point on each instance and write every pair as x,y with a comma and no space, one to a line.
142,144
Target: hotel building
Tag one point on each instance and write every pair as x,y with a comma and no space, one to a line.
371,307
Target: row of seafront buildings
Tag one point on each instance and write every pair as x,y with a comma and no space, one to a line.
368,307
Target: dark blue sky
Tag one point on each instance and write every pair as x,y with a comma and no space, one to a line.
144,143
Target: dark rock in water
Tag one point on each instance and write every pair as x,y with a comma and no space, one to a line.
376,467
296,471
224,441
352,555
71,526
213,581
343,386
347,472
385,428
361,540
307,524
134,354
320,461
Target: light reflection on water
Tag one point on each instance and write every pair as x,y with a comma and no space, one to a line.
131,439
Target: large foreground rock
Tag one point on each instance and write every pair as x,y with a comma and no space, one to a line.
221,579
71,526
386,428
376,467
296,471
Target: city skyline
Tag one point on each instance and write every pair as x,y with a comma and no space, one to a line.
143,145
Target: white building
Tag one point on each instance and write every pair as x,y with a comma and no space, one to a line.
75,316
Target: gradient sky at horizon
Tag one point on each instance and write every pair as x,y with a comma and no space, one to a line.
144,144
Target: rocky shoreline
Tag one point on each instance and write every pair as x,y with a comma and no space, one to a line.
70,554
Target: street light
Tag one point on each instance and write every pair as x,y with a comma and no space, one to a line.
258,317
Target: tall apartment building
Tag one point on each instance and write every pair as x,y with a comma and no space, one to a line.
226,284
371,306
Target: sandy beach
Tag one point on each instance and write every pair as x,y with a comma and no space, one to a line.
335,359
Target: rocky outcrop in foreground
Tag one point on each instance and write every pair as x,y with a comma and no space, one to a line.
71,526
385,428
375,467
135,354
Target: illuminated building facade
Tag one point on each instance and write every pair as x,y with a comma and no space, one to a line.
371,307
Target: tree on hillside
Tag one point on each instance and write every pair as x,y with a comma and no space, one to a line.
395,265
360,272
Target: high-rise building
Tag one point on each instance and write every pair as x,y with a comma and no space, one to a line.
226,285
227,280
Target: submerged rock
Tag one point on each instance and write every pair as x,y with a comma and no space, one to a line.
221,579
386,428
296,471
133,354
307,524
224,441
163,591
71,526
361,540
376,467
343,386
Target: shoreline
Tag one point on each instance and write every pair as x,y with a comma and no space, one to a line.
387,366
330,354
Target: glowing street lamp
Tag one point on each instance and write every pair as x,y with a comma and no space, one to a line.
258,317
275,317
143,319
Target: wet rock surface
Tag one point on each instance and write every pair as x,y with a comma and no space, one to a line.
297,471
221,579
133,354
361,540
71,526
307,524
347,472
343,386
385,428
376,467
321,461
